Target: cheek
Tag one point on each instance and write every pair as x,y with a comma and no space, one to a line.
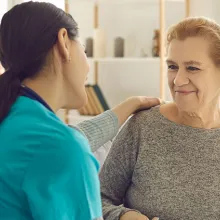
170,78
211,91
87,66
208,88
84,64
215,84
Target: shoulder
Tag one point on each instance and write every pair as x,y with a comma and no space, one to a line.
154,118
61,152
37,124
139,123
145,117
65,142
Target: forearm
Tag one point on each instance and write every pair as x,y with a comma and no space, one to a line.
126,109
100,129
133,105
105,126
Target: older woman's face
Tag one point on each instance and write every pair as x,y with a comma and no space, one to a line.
193,78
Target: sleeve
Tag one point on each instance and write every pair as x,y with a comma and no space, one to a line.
100,129
62,183
116,174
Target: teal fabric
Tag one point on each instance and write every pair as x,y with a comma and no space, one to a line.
47,170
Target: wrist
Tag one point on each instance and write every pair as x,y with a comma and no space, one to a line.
133,104
125,109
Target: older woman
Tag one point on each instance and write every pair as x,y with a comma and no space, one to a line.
166,161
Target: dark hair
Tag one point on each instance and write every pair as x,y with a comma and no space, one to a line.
27,32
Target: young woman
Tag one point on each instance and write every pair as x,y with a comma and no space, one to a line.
47,170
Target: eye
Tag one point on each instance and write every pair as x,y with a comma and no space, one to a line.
172,67
192,68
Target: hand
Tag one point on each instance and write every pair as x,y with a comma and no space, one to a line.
132,215
145,102
133,105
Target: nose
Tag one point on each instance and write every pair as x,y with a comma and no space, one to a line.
181,79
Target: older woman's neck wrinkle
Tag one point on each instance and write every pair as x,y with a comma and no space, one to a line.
208,118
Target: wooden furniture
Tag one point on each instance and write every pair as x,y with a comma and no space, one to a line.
162,26
162,46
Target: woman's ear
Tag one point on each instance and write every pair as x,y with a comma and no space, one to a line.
63,44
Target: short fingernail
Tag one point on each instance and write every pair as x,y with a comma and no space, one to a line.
162,101
153,99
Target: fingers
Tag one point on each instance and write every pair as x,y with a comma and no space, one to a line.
133,215
161,101
146,218
153,102
157,101
142,217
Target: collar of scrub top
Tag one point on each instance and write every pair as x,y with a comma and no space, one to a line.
27,92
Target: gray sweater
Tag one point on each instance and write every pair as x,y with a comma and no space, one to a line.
100,129
162,169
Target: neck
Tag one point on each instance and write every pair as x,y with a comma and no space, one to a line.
48,90
207,117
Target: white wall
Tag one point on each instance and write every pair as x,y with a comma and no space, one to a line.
58,3
137,21
203,8
207,8
3,8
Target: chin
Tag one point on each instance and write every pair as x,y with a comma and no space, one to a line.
187,103
186,107
81,102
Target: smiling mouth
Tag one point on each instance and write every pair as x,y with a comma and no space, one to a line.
185,92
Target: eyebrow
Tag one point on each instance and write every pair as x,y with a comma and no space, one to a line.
190,62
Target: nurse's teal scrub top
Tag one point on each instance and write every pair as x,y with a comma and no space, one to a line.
47,171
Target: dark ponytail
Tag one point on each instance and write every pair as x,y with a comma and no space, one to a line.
27,33
9,90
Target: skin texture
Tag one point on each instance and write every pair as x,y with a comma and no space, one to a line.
194,82
65,71
132,215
